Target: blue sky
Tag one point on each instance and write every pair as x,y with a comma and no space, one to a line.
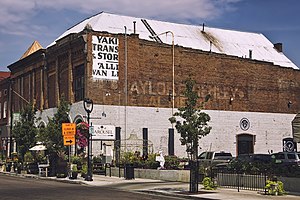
23,21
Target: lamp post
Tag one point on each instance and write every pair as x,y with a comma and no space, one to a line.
173,67
88,107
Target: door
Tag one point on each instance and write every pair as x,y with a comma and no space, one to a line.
245,144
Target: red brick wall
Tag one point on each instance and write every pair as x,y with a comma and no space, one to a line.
253,85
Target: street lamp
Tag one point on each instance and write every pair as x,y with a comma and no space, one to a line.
173,67
88,107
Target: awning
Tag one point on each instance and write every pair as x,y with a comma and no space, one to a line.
38,147
296,128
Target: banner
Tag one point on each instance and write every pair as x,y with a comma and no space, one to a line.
105,57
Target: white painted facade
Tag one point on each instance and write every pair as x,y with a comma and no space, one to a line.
269,129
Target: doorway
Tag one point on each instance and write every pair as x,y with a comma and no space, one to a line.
245,144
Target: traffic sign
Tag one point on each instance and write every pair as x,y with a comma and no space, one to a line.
69,140
68,129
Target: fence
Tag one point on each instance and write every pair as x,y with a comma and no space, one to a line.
241,181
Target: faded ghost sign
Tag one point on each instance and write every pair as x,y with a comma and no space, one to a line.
105,57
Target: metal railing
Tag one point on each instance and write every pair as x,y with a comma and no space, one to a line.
240,180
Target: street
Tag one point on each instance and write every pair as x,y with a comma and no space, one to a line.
13,188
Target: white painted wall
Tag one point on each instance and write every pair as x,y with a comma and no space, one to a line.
269,128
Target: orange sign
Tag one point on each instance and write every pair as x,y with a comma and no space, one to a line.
69,140
68,129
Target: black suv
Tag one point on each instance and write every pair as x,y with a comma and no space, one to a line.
287,158
250,162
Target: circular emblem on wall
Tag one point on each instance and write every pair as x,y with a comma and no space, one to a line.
289,146
244,124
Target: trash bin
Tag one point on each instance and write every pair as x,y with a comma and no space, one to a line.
129,171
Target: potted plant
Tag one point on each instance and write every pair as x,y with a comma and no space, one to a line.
84,170
74,171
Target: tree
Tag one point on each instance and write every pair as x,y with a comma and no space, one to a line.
193,124
25,131
51,135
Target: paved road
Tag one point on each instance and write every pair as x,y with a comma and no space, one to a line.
14,188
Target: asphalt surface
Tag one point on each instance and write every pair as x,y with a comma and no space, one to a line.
155,188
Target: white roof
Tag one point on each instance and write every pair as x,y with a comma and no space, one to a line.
229,42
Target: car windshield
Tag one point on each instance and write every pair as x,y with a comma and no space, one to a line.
223,156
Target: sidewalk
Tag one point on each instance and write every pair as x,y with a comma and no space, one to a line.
164,188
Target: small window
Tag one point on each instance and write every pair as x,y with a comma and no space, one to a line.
5,92
291,156
4,109
209,155
202,155
279,156
0,110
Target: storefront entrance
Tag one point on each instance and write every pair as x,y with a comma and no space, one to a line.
245,144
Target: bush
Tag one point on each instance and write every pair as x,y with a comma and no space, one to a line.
274,188
172,162
209,184
151,163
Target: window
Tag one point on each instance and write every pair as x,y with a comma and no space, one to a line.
291,156
0,110
5,92
4,109
79,83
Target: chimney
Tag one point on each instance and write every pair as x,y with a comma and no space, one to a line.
134,27
250,53
278,47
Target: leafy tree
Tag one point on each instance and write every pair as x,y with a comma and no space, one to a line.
51,135
193,124
25,131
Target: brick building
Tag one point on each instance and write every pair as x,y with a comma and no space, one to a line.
4,112
112,60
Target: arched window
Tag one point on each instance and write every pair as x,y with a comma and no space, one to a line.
4,109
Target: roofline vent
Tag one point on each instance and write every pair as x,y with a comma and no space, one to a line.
203,26
278,47
134,27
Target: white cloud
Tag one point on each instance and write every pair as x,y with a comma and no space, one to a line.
17,16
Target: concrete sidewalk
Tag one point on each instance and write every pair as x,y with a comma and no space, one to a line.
178,189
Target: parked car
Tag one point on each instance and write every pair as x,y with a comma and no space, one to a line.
287,158
247,162
212,158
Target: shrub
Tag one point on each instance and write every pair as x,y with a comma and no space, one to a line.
209,184
172,162
151,163
274,188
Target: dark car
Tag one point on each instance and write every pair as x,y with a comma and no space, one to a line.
250,162
287,158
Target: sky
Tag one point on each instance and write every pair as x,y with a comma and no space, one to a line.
24,21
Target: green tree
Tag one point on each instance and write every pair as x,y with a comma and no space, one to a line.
193,124
51,135
25,131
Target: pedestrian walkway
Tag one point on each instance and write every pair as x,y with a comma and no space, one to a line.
165,188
